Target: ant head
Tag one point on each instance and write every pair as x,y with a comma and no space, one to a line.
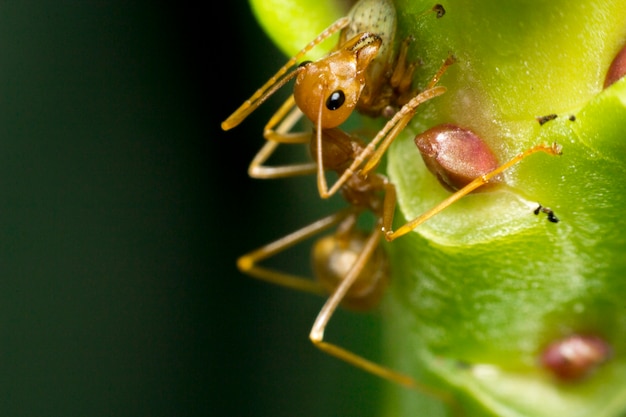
327,90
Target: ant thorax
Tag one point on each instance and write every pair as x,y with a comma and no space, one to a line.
377,16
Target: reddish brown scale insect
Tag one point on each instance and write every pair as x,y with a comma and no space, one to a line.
456,156
463,163
617,69
575,357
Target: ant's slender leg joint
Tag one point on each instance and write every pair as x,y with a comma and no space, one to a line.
553,149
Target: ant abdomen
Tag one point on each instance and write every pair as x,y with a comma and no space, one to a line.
455,155
334,256
378,17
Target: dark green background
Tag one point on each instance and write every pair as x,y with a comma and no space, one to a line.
123,208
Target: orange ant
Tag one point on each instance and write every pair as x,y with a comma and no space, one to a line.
350,265
362,73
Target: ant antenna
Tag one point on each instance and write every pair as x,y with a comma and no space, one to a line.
279,79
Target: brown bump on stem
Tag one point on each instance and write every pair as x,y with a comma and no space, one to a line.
456,156
617,69
575,357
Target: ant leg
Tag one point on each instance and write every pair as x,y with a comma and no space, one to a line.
553,149
399,121
279,79
248,263
389,132
317,331
288,115
257,170
402,75
393,128
451,59
389,206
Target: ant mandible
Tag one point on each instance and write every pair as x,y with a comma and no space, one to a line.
362,73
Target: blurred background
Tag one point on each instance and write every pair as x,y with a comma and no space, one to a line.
123,209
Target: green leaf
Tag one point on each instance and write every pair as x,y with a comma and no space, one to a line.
481,289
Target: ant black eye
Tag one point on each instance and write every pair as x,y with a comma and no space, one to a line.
335,100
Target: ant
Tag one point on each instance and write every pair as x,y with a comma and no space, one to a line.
362,73
349,264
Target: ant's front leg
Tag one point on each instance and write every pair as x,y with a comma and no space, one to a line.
553,149
387,135
400,120
402,76
286,118
248,263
